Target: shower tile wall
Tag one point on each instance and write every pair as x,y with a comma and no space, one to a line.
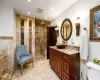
18,30
25,34
40,41
30,36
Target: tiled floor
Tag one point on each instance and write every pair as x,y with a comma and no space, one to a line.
39,56
40,71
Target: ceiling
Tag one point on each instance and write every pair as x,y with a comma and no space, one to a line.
23,7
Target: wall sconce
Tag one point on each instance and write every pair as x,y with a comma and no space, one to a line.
57,30
77,26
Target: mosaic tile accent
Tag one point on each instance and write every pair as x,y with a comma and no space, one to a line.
40,71
18,30
30,36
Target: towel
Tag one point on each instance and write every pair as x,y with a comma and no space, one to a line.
84,44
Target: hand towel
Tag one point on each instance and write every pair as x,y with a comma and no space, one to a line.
84,44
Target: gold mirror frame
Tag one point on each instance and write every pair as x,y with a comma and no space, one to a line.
95,24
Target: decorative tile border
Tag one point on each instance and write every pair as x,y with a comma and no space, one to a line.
6,37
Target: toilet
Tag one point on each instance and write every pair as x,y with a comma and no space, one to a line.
93,71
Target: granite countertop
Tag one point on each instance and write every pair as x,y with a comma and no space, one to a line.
65,50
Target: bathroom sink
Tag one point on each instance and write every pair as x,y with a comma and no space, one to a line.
60,46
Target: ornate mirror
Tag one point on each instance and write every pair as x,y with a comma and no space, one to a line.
66,29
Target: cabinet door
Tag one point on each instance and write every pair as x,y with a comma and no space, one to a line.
55,63
64,76
59,66
65,66
51,58
75,67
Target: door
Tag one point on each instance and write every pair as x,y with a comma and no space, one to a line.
51,38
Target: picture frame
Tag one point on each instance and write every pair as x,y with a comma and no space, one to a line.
95,24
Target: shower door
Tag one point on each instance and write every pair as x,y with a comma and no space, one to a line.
40,42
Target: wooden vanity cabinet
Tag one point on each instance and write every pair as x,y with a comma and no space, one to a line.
55,61
67,67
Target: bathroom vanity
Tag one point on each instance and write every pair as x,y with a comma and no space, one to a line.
65,63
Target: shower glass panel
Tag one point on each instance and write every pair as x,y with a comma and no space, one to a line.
40,41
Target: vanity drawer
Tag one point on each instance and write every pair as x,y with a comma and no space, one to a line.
65,66
65,57
64,76
58,53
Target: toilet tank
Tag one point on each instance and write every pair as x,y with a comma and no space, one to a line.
93,71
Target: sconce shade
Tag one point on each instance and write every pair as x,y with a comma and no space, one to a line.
77,26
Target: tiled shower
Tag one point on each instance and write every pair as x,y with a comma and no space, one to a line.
40,41
30,32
